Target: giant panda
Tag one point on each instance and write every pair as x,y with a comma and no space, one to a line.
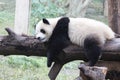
87,33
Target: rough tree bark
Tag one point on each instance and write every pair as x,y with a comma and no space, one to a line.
77,8
114,15
14,44
92,73
106,70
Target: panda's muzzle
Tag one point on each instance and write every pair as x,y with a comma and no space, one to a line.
38,38
41,39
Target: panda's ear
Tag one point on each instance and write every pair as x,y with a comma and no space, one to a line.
45,21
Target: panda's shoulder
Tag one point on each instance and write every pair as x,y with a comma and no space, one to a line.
79,20
64,20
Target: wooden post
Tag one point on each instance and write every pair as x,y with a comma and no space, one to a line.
22,11
114,15
105,7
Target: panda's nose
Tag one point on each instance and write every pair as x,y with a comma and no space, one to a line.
38,38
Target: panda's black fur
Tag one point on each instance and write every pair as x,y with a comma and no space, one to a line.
92,50
60,39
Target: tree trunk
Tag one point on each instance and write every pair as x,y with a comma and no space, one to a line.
77,8
114,15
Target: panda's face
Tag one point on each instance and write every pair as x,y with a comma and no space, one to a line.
43,30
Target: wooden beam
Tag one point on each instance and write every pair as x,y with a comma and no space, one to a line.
14,44
22,12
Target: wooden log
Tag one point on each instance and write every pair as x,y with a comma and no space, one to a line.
112,72
14,44
92,73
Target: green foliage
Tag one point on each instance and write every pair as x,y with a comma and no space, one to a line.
6,20
32,68
25,62
23,68
95,11
44,9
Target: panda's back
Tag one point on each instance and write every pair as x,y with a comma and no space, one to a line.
80,28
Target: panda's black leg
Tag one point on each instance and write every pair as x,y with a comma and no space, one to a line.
50,57
92,50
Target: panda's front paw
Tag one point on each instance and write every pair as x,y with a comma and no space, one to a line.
49,62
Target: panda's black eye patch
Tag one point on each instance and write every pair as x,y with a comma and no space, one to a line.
43,31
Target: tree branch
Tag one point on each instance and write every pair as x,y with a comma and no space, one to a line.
14,44
55,71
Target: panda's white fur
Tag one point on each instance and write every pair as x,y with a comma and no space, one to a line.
87,33
79,29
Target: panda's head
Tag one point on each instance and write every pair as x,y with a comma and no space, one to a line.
44,29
